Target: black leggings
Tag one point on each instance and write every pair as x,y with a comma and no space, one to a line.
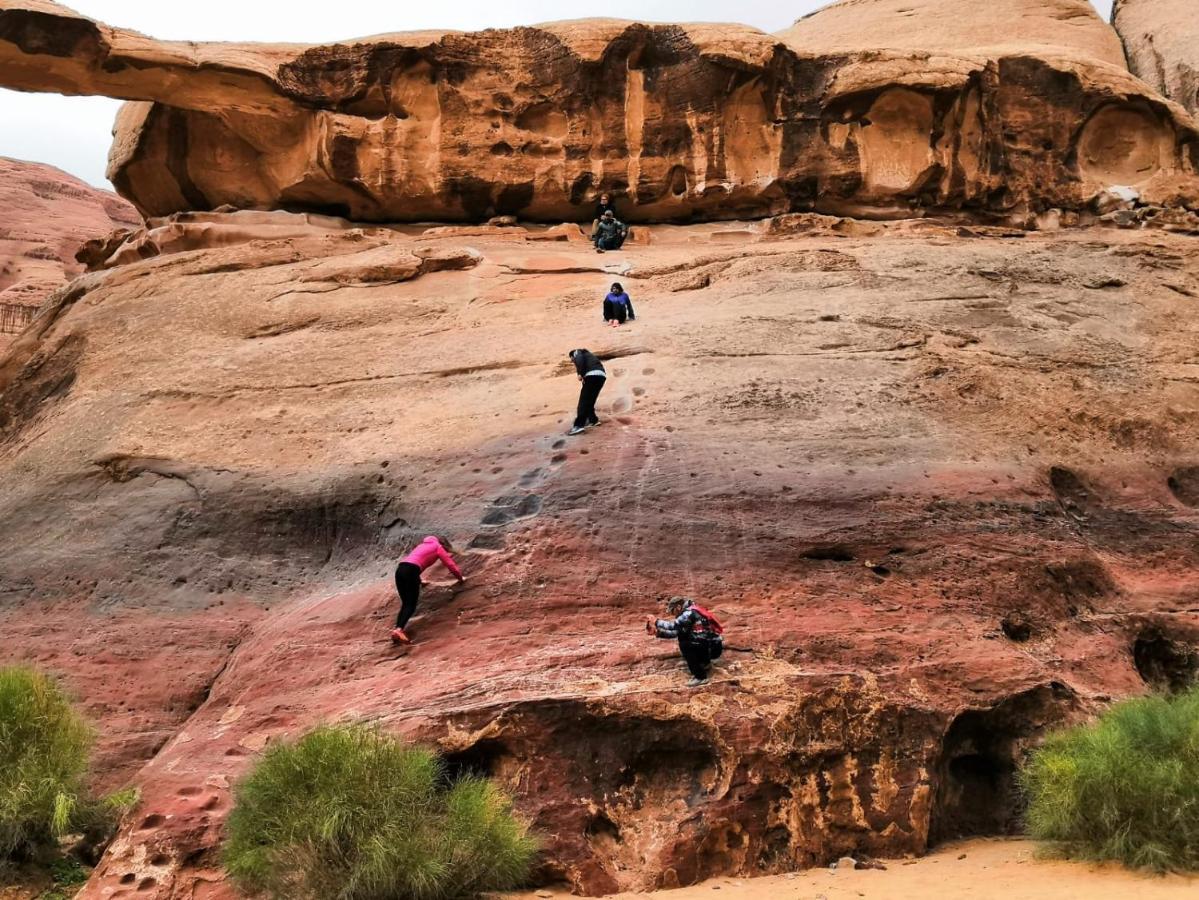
588,394
408,584
699,655
618,311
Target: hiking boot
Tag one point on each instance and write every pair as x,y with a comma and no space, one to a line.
399,637
576,429
696,682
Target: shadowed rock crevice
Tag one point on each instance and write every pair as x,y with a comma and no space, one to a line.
1184,485
1164,662
45,379
975,777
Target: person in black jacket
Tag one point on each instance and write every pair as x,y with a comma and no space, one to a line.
698,633
593,377
604,205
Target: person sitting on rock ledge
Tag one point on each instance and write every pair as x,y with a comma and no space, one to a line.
618,306
593,378
698,633
609,233
408,579
605,205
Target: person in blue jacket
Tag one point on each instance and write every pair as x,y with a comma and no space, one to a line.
618,307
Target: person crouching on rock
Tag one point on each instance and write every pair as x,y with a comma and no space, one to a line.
698,632
408,579
618,307
593,378
609,233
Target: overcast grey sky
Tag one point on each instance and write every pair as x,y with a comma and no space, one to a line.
74,133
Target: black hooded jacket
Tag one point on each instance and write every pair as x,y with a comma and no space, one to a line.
585,361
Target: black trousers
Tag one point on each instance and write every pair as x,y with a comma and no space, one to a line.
618,311
588,394
609,243
408,585
699,655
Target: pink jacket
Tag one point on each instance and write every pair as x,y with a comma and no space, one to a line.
428,552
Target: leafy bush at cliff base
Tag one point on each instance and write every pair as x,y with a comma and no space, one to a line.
1125,788
44,747
350,813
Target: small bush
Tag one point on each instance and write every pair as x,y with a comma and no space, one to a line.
44,746
68,876
350,813
1125,788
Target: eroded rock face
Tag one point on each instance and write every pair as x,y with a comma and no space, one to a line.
681,122
1161,38
48,215
1010,27
874,452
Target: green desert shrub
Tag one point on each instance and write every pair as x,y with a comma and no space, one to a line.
351,813
1124,788
44,747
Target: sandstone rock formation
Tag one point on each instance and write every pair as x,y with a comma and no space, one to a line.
48,215
863,108
1161,39
1055,28
941,483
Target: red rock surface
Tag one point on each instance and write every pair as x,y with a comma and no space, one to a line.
941,483
881,108
48,215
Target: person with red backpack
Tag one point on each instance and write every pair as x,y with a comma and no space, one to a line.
699,634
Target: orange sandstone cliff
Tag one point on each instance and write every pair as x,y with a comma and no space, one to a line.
874,108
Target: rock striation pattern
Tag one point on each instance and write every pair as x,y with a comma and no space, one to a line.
1161,39
940,482
48,215
869,108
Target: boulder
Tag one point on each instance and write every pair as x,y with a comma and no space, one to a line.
1117,196
863,109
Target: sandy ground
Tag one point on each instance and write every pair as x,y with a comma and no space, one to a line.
980,870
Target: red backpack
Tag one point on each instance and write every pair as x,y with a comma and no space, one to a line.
712,623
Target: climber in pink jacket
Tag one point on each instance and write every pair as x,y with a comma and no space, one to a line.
408,581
